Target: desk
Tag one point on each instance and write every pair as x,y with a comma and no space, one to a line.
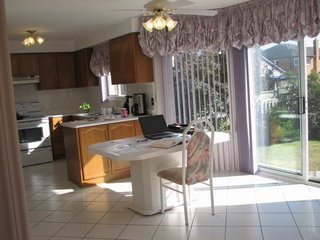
145,162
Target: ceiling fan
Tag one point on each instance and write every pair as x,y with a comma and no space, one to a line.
160,11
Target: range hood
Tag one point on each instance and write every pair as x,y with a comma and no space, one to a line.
26,80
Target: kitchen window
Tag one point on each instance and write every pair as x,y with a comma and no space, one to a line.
111,91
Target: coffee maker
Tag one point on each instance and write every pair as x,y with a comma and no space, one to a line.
139,104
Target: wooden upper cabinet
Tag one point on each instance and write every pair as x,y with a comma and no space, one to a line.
48,71
116,61
84,76
127,62
66,71
15,65
56,70
24,65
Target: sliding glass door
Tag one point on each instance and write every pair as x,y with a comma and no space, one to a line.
313,81
278,106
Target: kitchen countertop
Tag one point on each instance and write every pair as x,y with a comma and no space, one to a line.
96,121
76,114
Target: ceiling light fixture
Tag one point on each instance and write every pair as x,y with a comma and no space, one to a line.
32,39
159,21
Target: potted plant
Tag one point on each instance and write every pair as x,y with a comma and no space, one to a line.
85,107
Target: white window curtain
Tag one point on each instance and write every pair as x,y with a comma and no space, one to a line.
201,88
100,66
195,86
100,63
13,208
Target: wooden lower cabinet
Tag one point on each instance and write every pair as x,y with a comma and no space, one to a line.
93,165
56,133
118,131
137,128
85,168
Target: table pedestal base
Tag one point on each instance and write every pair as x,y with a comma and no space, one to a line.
146,183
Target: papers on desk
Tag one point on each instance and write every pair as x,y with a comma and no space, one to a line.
166,142
123,149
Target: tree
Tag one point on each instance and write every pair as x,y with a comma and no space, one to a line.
288,101
314,105
284,129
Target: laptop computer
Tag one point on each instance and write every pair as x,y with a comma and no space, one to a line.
155,127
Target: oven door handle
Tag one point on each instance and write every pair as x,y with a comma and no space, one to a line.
29,127
44,148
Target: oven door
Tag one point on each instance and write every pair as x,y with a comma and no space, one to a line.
34,135
35,142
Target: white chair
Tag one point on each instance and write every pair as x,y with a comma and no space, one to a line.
197,158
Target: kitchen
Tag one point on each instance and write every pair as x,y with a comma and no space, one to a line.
12,177
66,80
60,103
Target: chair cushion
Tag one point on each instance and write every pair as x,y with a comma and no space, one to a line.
172,174
197,169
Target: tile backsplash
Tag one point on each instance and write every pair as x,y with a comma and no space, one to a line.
147,88
66,101
60,101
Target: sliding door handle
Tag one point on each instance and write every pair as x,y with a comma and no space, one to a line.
301,105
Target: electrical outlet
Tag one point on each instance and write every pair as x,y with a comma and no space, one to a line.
152,101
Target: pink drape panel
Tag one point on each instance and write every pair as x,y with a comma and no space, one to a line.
13,213
256,22
100,63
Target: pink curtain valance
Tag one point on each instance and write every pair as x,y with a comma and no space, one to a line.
257,22
100,62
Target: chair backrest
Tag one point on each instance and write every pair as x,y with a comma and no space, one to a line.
198,158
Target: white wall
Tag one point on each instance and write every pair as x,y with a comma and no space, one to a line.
117,30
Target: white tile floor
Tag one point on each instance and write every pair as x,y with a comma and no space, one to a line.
247,208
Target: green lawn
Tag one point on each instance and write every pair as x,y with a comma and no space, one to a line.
287,155
314,155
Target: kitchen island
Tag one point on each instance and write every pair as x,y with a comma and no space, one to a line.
85,168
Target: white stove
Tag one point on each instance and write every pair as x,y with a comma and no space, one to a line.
34,134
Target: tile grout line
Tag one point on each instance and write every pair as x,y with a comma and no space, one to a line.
258,211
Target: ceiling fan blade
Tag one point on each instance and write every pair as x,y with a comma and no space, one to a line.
201,12
159,4
154,4
126,10
177,4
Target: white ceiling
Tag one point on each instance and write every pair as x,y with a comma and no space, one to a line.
69,20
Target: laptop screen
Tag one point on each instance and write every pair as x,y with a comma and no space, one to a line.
153,124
